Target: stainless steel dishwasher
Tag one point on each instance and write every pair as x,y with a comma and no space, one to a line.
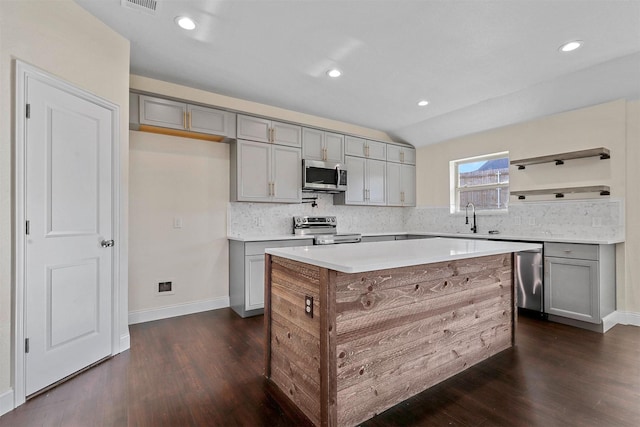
528,275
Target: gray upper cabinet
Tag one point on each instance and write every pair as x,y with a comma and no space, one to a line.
401,184
265,172
366,184
323,146
182,116
360,147
400,154
264,130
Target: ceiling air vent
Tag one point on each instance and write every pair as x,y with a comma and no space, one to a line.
147,6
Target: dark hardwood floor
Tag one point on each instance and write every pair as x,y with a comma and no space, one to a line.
206,370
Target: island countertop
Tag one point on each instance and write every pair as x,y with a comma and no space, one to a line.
363,257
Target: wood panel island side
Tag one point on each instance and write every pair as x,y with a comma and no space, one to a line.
387,320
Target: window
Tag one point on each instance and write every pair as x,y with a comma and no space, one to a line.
483,181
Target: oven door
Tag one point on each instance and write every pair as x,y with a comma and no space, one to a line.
323,176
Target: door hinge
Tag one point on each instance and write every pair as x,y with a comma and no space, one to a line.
26,345
28,111
26,228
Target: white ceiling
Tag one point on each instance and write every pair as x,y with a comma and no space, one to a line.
482,64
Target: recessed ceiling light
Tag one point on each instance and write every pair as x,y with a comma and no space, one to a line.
570,46
423,103
334,72
185,22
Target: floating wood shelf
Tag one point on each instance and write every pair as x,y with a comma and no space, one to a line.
560,192
559,159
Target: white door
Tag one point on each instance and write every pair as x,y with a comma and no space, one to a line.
68,254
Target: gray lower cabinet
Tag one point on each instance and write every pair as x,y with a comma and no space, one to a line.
246,273
579,281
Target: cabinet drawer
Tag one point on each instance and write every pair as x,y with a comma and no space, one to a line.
257,248
571,250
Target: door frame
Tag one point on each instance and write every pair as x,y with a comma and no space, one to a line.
22,72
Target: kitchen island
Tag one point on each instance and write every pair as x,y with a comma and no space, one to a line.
352,330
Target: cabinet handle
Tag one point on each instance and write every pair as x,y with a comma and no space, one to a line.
273,189
184,119
366,151
273,134
402,156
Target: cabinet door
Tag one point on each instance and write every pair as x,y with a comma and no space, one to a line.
394,153
254,277
312,144
409,156
253,171
207,120
376,150
376,178
286,134
162,112
394,184
287,174
356,179
408,185
253,128
571,288
354,146
334,147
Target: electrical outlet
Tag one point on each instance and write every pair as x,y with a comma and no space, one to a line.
166,288
308,306
177,222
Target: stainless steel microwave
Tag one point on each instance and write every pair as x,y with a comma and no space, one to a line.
324,176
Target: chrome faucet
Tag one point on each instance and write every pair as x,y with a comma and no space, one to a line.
474,228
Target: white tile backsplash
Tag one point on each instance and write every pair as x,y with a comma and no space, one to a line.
264,219
593,219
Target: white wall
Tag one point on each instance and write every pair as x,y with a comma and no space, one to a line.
605,125
62,39
186,179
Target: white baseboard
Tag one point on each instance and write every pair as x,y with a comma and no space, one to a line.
166,312
6,401
628,318
125,342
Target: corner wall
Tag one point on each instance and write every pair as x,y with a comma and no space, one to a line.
64,40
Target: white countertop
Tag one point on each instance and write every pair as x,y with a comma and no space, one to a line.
585,240
268,238
361,257
507,237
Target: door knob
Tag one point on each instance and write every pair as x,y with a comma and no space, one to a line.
107,243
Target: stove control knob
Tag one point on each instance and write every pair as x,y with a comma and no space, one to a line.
298,220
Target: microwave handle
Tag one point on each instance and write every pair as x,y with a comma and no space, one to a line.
338,177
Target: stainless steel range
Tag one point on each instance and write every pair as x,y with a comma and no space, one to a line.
324,230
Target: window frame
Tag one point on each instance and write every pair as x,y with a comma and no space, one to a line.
456,190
